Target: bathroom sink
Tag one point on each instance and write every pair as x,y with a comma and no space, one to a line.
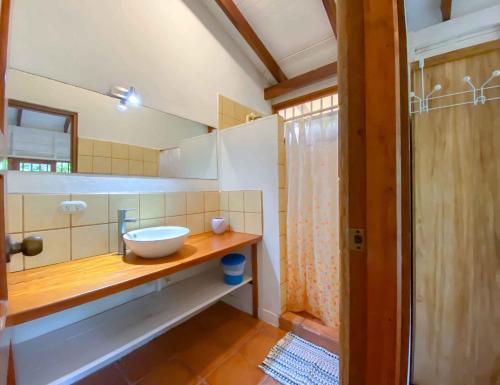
156,242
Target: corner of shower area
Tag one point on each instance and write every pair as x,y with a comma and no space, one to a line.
309,221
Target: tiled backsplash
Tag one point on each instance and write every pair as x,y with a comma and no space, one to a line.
94,231
232,113
100,157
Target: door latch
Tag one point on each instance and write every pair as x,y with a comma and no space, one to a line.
356,239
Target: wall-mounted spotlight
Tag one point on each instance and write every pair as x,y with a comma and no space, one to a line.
127,96
122,105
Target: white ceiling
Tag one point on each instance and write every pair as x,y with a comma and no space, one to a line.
424,13
297,33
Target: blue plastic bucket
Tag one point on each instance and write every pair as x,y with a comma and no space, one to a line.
233,266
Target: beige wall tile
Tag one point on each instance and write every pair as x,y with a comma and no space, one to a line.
179,220
226,121
135,167
16,260
227,106
113,234
150,169
236,201
253,201
85,164
283,297
282,246
97,210
14,213
56,248
101,165
195,202
152,222
239,112
220,122
224,200
87,241
283,270
175,203
136,153
253,223
281,151
283,199
41,212
237,221
151,155
282,176
152,206
119,151
225,215
102,149
282,223
208,219
211,201
85,146
195,223
119,166
123,201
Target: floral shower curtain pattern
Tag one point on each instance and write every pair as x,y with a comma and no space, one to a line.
313,217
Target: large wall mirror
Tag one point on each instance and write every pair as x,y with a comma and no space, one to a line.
57,126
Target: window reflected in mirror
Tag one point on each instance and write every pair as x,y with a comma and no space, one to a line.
41,138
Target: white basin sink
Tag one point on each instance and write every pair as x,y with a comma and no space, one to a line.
156,242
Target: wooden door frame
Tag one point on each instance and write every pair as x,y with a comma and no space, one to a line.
375,192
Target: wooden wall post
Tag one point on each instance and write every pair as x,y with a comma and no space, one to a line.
374,290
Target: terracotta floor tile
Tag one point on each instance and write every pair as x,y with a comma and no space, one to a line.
235,331
204,356
271,331
172,372
217,315
257,348
236,371
110,375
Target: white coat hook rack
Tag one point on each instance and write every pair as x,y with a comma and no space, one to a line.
423,100
419,104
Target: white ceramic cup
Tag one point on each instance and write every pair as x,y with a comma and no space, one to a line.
219,225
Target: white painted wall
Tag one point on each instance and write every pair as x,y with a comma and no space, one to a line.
174,52
248,160
194,158
457,33
98,117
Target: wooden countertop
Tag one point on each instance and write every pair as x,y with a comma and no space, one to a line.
42,291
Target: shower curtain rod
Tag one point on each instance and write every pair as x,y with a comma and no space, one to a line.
323,111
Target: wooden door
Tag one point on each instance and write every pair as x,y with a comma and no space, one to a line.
457,231
4,335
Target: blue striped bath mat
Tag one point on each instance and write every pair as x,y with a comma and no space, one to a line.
295,361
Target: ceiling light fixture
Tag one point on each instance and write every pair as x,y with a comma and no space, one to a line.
127,96
122,105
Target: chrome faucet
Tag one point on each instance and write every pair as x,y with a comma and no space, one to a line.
122,221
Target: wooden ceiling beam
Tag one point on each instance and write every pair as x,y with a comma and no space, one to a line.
246,31
300,81
446,9
331,11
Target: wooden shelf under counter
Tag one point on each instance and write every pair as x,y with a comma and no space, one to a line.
46,290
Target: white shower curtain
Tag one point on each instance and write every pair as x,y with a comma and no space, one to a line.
313,217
